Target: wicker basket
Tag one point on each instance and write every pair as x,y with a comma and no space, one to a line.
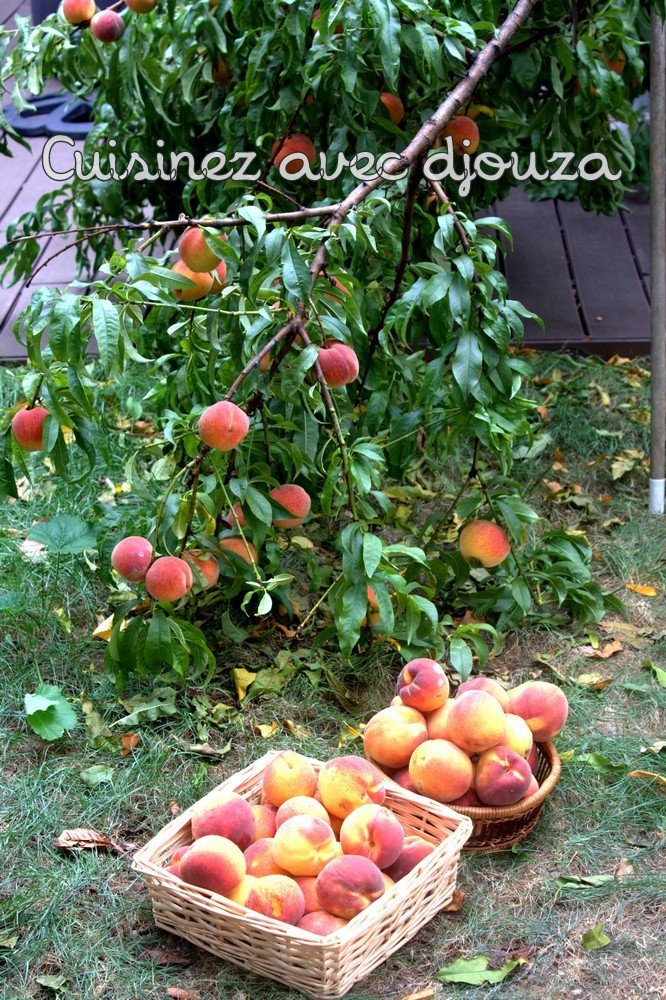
319,967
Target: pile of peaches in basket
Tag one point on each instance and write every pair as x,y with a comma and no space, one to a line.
321,848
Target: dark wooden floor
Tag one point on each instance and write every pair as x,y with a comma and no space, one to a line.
587,276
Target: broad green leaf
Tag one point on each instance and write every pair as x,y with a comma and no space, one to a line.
106,327
64,535
49,713
475,971
372,553
595,938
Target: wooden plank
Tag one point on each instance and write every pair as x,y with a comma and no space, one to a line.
614,306
636,218
538,272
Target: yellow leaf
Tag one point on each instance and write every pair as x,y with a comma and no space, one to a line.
594,681
301,542
645,590
266,730
608,649
623,868
242,679
104,629
348,735
651,775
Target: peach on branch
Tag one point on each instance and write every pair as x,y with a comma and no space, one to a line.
225,814
260,860
77,11
287,775
223,425
485,542
277,896
303,845
291,145
300,805
616,61
107,26
392,735
373,832
237,547
345,783
131,558
441,770
141,6
321,923
213,863
394,107
295,500
337,28
422,684
414,850
464,134
219,276
195,252
236,517
28,428
308,886
338,363
518,735
502,776
169,578
205,569
488,685
221,73
475,721
203,283
542,705
264,821
348,885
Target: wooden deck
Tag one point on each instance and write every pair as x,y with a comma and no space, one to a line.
587,276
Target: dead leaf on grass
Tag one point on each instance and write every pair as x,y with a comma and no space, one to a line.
127,742
242,679
644,589
174,808
180,994
656,747
632,635
457,901
159,957
650,775
603,653
266,730
623,869
302,732
595,938
594,681
82,839
421,995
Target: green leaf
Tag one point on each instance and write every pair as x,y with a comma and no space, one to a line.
157,649
475,971
461,658
295,272
467,363
158,705
595,938
97,774
64,535
49,713
106,327
372,553
577,882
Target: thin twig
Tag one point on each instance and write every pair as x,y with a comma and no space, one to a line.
457,224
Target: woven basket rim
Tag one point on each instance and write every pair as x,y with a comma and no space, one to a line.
491,814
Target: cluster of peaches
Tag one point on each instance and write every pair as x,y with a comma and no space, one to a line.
316,852
477,749
106,25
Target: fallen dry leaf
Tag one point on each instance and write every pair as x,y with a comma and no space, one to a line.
608,649
266,730
180,994
174,808
645,590
81,840
457,901
127,742
159,957
656,747
651,775
421,995
31,551
594,681
623,869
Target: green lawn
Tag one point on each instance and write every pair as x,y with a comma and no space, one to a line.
85,918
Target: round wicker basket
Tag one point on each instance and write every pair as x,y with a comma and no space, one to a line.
497,828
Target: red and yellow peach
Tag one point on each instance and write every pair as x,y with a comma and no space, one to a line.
392,735
295,501
414,850
28,428
348,885
542,705
422,684
289,774
373,832
475,721
131,558
169,578
348,782
223,425
304,845
441,770
485,542
277,896
225,814
213,863
502,777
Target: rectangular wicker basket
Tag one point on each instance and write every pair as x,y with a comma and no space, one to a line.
318,967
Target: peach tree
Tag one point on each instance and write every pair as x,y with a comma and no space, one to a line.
319,349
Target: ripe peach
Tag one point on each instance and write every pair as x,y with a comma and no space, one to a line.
441,770
488,685
174,865
470,798
287,775
348,885
107,26
533,758
348,782
415,849
532,788
308,886
518,735
195,252
173,870
205,569
259,858
615,62
236,517
303,845
295,500
169,578
321,923
77,11
242,890
237,546
484,541
264,821
213,863
225,814
475,721
464,134
221,73
277,896
422,684
293,144
338,363
141,6
392,735
388,882
337,29
219,276
394,107
403,779
502,776
437,722
542,705
300,805
203,283
28,428
223,425
373,832
131,558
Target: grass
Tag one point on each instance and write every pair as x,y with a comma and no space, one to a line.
86,918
